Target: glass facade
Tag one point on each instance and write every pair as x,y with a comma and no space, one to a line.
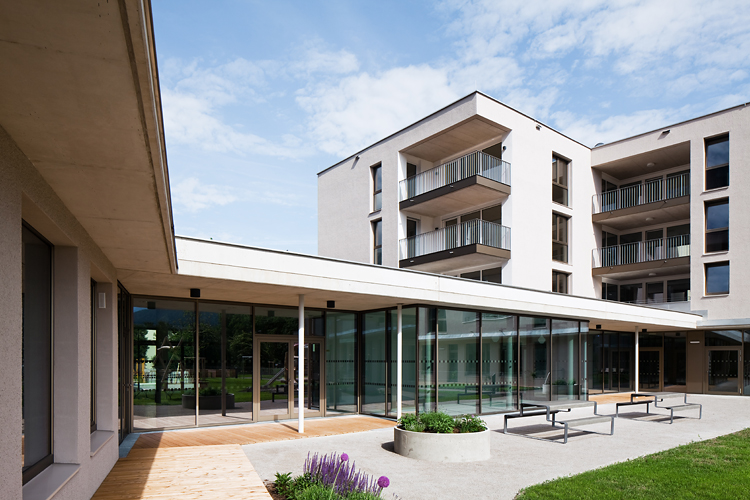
458,361
341,373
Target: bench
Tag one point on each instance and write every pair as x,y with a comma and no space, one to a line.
683,407
656,397
596,419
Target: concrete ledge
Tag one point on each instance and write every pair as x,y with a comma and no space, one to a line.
50,481
464,447
99,439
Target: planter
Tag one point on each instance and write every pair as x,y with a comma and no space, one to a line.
464,447
207,402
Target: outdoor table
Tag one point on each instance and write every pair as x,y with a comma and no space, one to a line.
656,397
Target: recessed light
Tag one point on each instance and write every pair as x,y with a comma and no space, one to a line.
649,219
650,164
652,274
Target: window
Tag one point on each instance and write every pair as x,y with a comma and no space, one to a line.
717,162
377,188
493,275
93,357
632,294
717,278
377,233
717,225
559,180
609,291
655,292
678,290
559,238
559,282
36,356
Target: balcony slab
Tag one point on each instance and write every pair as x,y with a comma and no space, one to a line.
671,210
680,265
457,259
460,195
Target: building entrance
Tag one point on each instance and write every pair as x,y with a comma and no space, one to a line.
723,374
649,369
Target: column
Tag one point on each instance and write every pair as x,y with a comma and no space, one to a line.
399,362
637,361
301,366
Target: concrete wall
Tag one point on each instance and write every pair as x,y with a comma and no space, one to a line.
736,122
24,195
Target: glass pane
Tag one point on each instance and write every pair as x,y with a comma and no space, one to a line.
675,360
559,252
409,364
163,364
559,194
236,324
717,215
648,371
564,360
717,278
627,360
499,362
632,294
377,175
724,338
493,214
717,177
494,275
458,367
275,384
341,375
374,363
426,344
311,379
534,359
717,152
276,321
377,202
717,241
723,371
655,293
650,340
471,216
678,290
746,364
592,362
36,353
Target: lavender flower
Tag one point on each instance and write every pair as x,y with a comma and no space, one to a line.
336,472
344,457
383,482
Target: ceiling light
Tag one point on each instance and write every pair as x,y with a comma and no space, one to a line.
652,274
650,164
649,218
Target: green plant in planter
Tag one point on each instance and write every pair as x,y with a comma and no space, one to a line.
470,423
410,422
438,422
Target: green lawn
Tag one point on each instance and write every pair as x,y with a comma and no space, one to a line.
714,469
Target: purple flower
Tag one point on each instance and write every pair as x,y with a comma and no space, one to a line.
383,482
344,457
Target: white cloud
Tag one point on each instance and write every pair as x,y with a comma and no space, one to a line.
194,196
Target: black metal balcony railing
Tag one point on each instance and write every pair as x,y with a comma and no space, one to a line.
467,233
675,186
642,251
476,163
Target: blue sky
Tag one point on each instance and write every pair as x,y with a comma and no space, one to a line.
259,96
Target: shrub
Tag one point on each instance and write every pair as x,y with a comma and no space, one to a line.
470,423
438,421
441,422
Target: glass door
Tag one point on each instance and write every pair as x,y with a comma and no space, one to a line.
311,379
274,380
723,375
649,369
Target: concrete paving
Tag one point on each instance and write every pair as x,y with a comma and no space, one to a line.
517,461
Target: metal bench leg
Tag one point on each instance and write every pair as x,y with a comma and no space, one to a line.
671,416
612,430
505,427
700,412
565,441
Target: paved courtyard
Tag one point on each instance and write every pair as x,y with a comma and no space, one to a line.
517,461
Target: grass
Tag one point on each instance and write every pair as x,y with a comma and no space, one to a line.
713,469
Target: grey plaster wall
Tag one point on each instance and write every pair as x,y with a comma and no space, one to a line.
26,196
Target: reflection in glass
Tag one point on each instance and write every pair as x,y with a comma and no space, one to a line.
649,367
312,377
592,362
409,361
36,353
163,364
426,345
746,363
499,362
534,359
458,369
723,371
341,349
374,363
724,338
276,321
235,324
275,381
564,379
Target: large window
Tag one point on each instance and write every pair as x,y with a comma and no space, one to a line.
92,381
560,282
377,237
559,180
36,354
559,238
717,278
717,225
377,188
717,162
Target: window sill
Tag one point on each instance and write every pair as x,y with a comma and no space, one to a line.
99,439
50,481
713,254
376,212
715,190
557,203
715,295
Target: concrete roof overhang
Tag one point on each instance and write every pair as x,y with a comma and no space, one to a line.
457,139
663,158
80,97
226,272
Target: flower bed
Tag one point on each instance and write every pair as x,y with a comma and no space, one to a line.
438,437
330,477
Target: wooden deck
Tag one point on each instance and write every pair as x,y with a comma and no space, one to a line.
209,463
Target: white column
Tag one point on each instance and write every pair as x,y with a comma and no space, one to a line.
399,363
301,367
637,360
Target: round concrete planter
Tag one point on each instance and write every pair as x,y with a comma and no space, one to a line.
207,402
465,447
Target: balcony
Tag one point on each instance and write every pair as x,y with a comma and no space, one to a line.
642,259
658,200
472,243
468,181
